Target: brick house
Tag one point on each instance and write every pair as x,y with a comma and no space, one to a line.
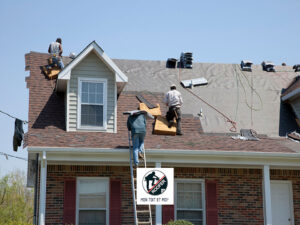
218,179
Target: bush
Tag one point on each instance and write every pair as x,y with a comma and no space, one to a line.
179,222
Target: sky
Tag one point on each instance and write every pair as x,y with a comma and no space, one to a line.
215,31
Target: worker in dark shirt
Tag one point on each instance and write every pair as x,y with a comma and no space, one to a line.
136,123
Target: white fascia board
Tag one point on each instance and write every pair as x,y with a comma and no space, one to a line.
180,157
291,94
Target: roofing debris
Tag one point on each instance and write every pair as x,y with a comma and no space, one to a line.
247,135
294,136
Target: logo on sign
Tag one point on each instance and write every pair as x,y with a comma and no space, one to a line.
155,182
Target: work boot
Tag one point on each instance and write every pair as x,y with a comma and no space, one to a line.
141,156
171,123
179,133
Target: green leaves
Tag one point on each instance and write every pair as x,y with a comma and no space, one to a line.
16,200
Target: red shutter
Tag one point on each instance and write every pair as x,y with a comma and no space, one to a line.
115,202
167,213
211,203
69,202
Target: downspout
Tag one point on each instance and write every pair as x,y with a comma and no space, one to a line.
35,188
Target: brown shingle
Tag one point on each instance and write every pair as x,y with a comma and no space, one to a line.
47,122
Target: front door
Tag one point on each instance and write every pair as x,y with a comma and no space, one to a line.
282,203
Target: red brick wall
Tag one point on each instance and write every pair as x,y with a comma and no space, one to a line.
240,200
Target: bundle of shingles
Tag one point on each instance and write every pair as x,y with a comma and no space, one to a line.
247,135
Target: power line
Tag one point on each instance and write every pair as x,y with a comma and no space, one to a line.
8,155
24,121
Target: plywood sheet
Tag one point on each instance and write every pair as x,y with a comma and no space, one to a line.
53,74
161,127
153,112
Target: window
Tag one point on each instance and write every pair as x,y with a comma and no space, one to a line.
92,201
189,201
92,103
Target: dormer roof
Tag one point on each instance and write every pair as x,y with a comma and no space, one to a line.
65,75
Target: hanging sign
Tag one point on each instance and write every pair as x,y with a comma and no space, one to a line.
155,186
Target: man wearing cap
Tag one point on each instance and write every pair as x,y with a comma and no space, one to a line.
174,101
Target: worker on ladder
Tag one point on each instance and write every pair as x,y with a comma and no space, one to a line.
136,123
55,49
174,101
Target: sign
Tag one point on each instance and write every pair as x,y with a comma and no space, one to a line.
155,186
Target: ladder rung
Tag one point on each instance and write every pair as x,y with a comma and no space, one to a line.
144,222
142,211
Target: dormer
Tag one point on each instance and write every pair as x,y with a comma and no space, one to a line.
91,83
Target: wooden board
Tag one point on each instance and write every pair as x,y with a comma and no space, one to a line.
161,127
153,112
53,74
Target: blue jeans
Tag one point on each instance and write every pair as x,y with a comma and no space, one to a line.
138,146
58,61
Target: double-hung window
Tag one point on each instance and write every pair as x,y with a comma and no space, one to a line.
189,201
92,201
92,103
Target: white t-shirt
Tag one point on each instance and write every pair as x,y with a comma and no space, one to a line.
173,98
54,48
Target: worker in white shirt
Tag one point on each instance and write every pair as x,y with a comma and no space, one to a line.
55,49
174,101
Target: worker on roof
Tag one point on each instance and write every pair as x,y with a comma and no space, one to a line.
174,101
55,49
136,123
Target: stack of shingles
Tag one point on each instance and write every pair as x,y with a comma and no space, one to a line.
161,124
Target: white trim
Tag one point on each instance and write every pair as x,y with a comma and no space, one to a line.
116,109
96,80
65,74
189,180
43,191
291,203
158,208
267,196
182,158
106,179
291,94
68,106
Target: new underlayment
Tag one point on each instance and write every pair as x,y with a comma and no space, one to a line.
228,89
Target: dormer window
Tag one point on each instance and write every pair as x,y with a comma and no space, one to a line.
92,103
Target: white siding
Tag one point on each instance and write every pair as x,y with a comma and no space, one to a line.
92,67
296,107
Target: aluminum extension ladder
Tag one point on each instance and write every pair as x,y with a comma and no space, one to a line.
141,212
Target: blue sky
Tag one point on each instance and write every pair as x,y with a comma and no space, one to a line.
215,31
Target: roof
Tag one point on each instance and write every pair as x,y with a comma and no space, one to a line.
292,90
227,90
65,74
47,117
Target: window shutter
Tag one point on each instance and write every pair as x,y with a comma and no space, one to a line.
115,202
69,202
211,203
167,213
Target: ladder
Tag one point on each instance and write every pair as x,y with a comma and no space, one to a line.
142,213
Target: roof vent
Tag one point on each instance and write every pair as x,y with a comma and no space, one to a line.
72,55
171,63
296,67
246,65
186,60
268,66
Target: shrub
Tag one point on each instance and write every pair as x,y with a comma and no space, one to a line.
179,222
